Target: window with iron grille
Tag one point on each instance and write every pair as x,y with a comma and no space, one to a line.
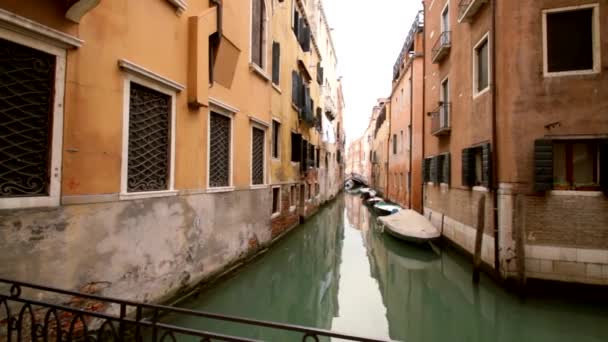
257,155
219,150
149,140
26,101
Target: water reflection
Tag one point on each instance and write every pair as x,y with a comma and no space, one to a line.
339,272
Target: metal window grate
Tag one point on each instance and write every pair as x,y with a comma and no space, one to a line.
257,156
26,102
148,166
219,150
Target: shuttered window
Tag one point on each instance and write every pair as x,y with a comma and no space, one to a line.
304,162
257,32
426,170
434,169
319,74
482,70
477,166
444,168
394,143
276,62
295,88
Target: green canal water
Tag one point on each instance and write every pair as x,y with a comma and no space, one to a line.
339,272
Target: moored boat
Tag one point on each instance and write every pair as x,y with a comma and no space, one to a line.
384,208
409,225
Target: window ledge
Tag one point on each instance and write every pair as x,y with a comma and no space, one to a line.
576,193
258,186
295,107
480,189
548,74
29,202
479,94
142,72
259,71
147,194
220,189
33,29
292,208
276,87
275,215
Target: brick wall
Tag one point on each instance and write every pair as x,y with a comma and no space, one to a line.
569,221
287,218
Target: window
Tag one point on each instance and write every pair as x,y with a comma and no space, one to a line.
445,18
149,140
257,155
276,63
317,157
276,201
294,196
571,40
220,141
445,91
317,189
214,43
276,140
576,165
477,166
309,191
30,126
258,18
481,67
296,147
394,143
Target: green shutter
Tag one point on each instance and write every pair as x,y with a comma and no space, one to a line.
445,173
486,167
294,87
276,62
543,165
434,169
468,167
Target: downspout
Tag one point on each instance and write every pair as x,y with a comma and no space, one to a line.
423,133
494,141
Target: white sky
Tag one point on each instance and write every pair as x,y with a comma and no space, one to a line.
368,36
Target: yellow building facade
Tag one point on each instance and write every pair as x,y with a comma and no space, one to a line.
158,127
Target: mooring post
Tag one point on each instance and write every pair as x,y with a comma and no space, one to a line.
481,213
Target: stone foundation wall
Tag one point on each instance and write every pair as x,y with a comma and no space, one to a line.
288,217
144,250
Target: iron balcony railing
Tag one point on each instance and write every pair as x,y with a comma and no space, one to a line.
440,119
442,46
468,8
75,316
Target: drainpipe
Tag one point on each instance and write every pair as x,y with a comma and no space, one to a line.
423,102
494,141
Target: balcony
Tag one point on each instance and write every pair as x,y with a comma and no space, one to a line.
468,8
442,47
440,119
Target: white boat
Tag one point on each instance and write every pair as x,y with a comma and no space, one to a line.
409,225
364,190
383,208
375,200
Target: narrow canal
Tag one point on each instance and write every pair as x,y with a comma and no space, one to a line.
339,272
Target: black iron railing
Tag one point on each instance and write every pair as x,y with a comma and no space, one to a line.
442,46
440,119
90,317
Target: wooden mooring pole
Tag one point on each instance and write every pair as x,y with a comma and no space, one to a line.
481,214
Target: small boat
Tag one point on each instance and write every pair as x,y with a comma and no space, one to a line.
384,208
374,200
372,193
409,225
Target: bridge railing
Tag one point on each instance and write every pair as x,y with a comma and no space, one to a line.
89,317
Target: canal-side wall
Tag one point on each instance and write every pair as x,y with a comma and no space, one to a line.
563,234
288,217
145,250
454,212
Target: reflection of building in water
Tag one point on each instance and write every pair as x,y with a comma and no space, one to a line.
296,283
357,214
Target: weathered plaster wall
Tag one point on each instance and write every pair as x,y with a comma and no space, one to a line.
146,249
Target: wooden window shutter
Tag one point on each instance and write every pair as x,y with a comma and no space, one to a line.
604,166
304,159
257,31
296,146
276,62
434,169
319,74
426,170
296,24
486,167
294,87
445,172
543,165
468,167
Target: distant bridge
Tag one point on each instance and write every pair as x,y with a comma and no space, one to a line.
357,178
